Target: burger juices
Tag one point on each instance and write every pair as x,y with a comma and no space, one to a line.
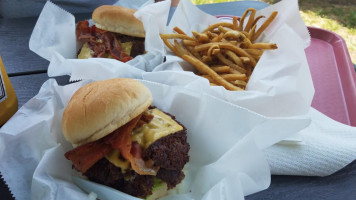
123,142
117,34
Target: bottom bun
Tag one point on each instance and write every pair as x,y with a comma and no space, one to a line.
158,191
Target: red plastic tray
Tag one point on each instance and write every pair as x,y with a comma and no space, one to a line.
333,76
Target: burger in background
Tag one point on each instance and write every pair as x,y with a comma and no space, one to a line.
116,33
122,141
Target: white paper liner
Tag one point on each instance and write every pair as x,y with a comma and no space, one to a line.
281,76
225,157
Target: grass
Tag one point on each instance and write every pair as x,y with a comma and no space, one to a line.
338,16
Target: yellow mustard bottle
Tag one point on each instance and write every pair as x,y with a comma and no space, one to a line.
8,99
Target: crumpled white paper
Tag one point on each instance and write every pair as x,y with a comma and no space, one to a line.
53,37
280,77
226,161
279,88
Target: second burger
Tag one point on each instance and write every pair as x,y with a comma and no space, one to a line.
116,34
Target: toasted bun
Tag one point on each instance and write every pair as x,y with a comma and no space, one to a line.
118,19
100,107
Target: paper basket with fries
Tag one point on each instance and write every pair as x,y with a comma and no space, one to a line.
262,53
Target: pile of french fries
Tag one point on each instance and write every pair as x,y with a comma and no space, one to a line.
224,53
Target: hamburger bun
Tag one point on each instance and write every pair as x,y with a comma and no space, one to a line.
118,19
100,107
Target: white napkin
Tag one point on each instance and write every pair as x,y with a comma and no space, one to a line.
327,147
226,161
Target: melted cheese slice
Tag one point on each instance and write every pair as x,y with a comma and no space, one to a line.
160,126
85,52
114,158
126,47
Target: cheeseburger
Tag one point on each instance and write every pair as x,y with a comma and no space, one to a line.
122,141
116,33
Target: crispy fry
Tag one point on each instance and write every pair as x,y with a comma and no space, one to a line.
180,49
235,43
234,77
170,46
251,19
211,35
234,57
245,60
252,32
257,18
191,50
221,69
235,35
211,80
210,51
263,46
204,69
222,29
235,23
246,43
215,51
201,37
239,83
234,71
214,26
230,63
238,51
190,42
218,38
178,30
254,52
265,25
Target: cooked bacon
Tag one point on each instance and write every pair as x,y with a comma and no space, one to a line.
145,118
83,31
109,44
114,48
85,156
124,144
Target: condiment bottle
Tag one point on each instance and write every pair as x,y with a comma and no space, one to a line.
8,99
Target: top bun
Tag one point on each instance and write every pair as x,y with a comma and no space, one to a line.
100,107
118,19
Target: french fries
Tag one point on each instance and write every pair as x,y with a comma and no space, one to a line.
224,53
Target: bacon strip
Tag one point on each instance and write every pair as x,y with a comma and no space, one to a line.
85,156
124,144
108,45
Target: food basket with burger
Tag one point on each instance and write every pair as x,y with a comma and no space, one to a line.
122,34
94,139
